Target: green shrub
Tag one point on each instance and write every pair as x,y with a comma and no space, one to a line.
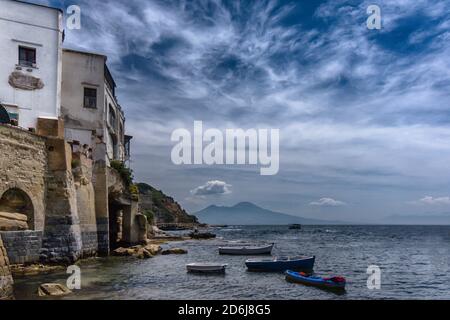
76,163
134,189
150,216
125,173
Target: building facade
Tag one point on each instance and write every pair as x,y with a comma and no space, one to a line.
31,39
91,112
60,197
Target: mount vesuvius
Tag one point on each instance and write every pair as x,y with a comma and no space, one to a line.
246,213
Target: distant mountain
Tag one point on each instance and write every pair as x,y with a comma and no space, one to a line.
247,213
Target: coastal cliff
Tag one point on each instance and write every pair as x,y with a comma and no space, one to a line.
160,208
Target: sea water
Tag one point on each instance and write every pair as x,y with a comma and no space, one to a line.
414,263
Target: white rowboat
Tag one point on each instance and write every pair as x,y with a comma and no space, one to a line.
247,250
206,267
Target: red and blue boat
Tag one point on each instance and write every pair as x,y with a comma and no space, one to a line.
333,283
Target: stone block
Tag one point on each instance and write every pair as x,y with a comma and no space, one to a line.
50,127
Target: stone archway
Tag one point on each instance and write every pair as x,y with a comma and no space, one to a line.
16,211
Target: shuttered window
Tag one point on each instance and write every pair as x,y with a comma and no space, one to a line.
27,56
90,98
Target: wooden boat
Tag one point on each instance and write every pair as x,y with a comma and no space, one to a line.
247,250
206,267
334,283
281,264
295,227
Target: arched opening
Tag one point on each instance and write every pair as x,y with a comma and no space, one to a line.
16,211
115,225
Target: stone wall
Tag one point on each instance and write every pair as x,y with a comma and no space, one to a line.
101,206
41,167
82,172
6,280
62,235
67,198
22,246
23,164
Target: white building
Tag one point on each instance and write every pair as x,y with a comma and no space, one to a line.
92,115
30,68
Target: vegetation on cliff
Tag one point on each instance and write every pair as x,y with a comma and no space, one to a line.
125,173
161,208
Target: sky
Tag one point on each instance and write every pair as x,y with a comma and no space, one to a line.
363,114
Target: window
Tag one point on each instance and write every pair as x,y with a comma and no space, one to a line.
90,98
112,117
27,56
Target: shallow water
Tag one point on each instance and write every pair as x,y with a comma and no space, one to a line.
414,261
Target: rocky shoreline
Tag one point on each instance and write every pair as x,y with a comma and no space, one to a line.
149,249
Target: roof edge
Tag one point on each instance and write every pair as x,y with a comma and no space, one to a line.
39,5
85,52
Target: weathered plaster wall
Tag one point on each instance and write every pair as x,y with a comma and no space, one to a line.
23,165
6,280
82,70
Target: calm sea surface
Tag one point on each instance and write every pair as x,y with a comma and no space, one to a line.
414,261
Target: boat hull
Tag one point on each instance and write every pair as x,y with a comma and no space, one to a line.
246,251
281,265
295,277
206,268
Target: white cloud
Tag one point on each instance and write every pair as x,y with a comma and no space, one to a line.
214,187
327,202
435,201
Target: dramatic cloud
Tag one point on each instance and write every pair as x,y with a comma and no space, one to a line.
435,201
327,202
363,113
215,187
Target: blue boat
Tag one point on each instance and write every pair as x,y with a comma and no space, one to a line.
281,264
334,283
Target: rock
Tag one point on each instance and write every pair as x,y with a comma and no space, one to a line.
123,252
132,251
53,290
34,269
154,249
13,221
143,254
174,251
